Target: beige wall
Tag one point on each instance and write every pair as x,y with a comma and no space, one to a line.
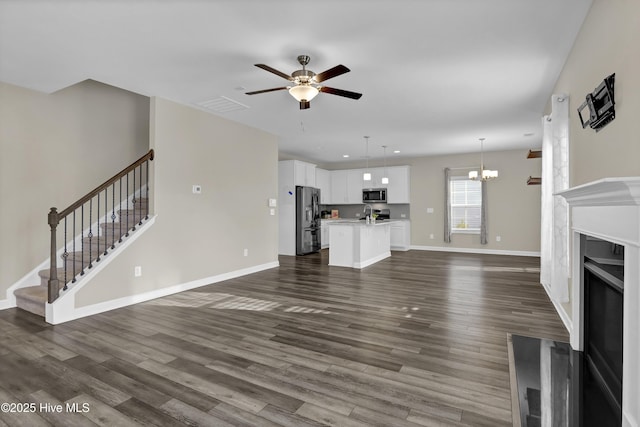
606,44
513,206
198,236
54,148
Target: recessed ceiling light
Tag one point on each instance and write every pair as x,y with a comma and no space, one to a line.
396,151
345,155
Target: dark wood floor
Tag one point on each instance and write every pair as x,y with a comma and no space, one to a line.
417,339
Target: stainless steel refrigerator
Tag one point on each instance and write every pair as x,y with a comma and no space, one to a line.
307,220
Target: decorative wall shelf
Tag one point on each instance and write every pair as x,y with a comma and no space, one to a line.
534,154
534,181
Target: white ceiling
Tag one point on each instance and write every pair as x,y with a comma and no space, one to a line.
436,75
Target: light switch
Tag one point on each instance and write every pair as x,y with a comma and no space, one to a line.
429,210
272,211
196,189
273,203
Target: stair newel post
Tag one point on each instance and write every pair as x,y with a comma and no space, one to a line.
54,289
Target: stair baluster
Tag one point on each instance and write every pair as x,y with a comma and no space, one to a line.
103,236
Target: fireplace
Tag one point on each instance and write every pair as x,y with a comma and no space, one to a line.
605,290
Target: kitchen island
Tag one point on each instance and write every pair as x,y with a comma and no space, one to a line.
357,244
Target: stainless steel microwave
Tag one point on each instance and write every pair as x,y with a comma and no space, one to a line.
375,195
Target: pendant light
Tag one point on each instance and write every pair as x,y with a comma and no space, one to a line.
484,174
366,176
385,178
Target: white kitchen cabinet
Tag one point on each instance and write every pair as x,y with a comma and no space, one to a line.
376,178
323,182
338,187
304,173
296,172
346,187
400,235
324,234
354,186
399,187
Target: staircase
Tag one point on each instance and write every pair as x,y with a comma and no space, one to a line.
34,298
89,229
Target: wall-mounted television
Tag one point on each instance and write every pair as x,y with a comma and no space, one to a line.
598,109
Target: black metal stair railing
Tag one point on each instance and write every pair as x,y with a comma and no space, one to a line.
91,223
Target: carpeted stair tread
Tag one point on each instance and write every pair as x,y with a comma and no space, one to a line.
32,299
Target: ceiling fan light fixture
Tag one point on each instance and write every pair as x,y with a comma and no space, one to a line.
303,92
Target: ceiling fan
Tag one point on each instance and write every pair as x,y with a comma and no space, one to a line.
306,82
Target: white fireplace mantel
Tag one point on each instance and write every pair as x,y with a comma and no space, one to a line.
610,209
605,192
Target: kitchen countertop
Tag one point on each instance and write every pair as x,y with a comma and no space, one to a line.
361,224
359,221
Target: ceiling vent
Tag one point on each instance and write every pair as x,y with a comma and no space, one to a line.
222,104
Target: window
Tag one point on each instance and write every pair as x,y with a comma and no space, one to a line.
466,201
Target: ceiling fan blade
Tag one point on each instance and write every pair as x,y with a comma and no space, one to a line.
305,105
255,92
274,71
340,92
331,73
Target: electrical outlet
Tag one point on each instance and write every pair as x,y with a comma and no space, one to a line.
498,238
403,215
429,210
272,211
431,236
246,252
137,271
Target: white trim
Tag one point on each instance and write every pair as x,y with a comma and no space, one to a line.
474,250
624,191
371,261
564,316
64,310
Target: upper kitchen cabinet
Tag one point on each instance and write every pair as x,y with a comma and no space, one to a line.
399,186
323,182
302,173
346,187
338,187
376,178
355,184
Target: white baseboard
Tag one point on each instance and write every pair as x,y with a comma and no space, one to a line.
64,310
475,251
564,316
371,261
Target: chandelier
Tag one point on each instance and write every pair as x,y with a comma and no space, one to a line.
483,174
